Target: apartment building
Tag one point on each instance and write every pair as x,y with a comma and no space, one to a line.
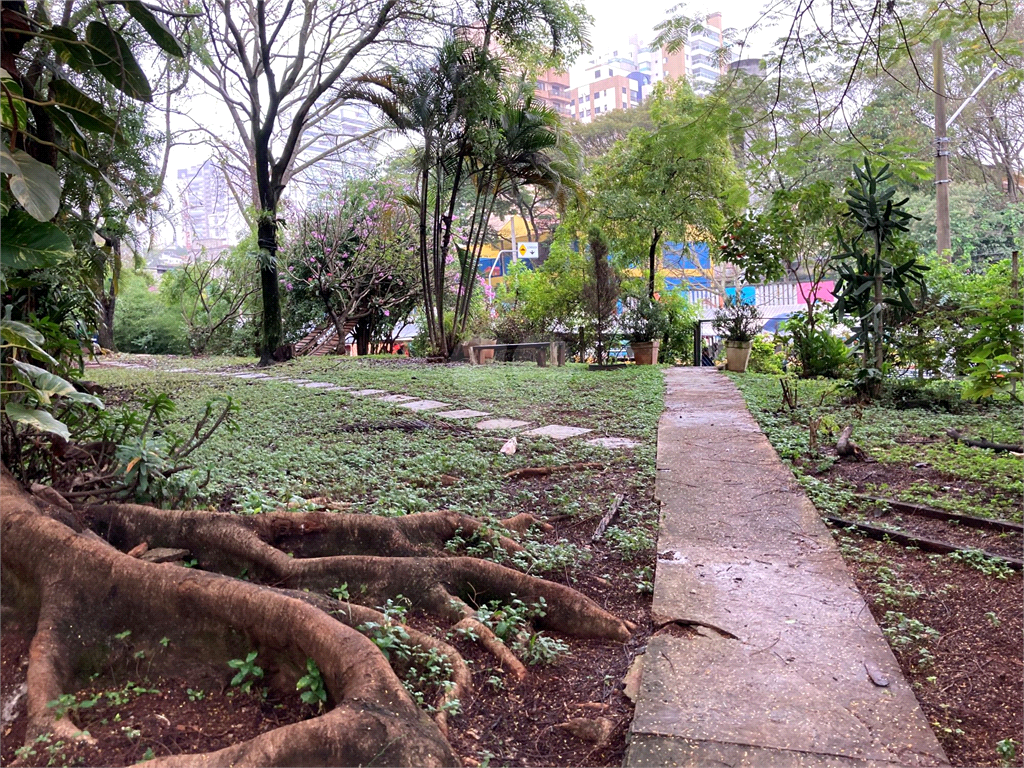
621,78
552,90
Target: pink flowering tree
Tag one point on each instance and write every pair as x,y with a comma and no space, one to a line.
354,252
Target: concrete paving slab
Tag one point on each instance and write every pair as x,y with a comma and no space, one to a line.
297,381
368,392
317,385
462,413
424,405
612,442
250,376
396,398
777,672
489,424
557,432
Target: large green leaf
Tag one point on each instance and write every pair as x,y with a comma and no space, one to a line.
69,129
23,335
45,383
20,110
87,112
114,60
31,244
71,50
36,185
157,30
38,419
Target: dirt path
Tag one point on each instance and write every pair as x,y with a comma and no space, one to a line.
769,654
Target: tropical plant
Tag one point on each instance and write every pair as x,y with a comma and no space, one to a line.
817,348
876,268
480,142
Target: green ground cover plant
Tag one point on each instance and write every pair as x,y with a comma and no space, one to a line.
952,476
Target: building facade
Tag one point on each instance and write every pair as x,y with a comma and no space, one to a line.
207,208
622,78
552,90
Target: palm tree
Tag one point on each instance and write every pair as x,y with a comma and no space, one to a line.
478,145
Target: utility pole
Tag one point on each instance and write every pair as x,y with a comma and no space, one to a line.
942,236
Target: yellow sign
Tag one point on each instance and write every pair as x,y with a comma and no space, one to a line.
522,249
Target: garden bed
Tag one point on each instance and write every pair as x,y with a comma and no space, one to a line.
953,620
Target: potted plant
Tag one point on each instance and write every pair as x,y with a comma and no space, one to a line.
739,323
644,321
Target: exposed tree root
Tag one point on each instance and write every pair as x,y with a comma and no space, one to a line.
84,589
846,448
959,437
545,471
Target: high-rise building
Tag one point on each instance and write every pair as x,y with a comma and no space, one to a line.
207,207
335,148
619,79
552,90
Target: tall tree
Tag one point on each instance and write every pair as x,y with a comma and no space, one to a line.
676,181
282,68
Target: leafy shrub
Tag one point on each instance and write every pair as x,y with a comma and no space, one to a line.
904,394
644,319
677,341
764,358
144,323
819,351
737,320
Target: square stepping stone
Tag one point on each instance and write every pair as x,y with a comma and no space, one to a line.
397,398
317,385
297,381
500,424
613,442
368,392
462,413
557,431
424,405
251,376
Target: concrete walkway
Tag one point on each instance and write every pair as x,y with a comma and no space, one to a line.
780,662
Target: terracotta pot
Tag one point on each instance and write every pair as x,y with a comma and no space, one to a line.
645,352
737,355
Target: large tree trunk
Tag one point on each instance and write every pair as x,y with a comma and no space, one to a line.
363,333
105,328
267,238
68,570
652,267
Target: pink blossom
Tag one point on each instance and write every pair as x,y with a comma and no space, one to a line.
387,313
288,286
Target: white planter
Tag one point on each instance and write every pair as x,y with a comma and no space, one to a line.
737,355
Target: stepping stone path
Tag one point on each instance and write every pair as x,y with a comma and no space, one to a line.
462,413
612,442
424,405
552,431
557,432
500,424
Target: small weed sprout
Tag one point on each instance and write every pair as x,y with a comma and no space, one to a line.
314,681
1007,751
247,672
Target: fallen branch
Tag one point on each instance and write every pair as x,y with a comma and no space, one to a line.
545,471
608,517
958,437
846,447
